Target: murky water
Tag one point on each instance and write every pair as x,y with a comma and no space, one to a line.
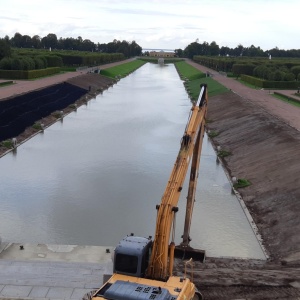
98,175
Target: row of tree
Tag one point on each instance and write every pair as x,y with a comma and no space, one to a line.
213,49
129,49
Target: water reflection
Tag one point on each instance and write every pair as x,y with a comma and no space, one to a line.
98,175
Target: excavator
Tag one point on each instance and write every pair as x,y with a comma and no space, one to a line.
142,268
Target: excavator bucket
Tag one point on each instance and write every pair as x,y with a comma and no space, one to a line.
187,252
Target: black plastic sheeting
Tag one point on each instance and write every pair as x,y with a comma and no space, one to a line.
23,111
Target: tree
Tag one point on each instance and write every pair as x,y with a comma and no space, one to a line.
17,40
50,41
36,42
5,50
179,52
214,49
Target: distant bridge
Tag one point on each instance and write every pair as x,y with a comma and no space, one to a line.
158,49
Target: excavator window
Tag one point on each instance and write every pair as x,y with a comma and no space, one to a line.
126,263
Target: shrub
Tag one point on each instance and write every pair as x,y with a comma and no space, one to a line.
295,70
241,183
17,64
28,63
239,69
289,76
5,63
39,64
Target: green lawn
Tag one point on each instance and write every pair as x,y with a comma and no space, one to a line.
122,70
195,78
287,99
187,71
5,83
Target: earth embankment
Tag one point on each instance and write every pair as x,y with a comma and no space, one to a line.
265,151
19,113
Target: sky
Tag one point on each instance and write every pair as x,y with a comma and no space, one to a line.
157,24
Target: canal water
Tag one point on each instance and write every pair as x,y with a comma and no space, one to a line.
98,175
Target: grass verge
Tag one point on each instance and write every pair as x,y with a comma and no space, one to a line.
122,70
286,99
193,78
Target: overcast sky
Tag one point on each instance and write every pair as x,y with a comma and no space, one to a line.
158,24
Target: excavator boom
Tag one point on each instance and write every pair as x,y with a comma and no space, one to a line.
142,268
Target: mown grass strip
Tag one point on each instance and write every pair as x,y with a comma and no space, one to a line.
6,83
193,78
214,87
286,99
122,70
186,71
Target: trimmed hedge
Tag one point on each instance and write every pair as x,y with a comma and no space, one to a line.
270,84
19,74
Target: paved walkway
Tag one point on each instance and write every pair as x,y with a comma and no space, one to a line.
25,86
52,272
288,113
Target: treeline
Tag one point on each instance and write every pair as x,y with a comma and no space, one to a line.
129,49
261,72
28,59
213,49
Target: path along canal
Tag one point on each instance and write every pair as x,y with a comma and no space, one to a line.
98,175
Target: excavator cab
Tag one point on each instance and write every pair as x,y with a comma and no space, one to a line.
132,256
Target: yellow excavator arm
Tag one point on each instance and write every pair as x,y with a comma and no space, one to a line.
142,268
161,262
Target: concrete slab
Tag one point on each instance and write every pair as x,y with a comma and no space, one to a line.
39,292
79,293
65,253
52,271
59,293
17,291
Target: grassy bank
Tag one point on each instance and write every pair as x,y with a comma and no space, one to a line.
122,70
287,99
193,78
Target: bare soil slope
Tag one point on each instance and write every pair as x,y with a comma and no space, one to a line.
265,151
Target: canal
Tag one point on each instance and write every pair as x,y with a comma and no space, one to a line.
99,174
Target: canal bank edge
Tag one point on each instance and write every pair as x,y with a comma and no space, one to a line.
94,84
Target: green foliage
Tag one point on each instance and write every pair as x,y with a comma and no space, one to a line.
223,153
241,183
239,69
54,61
7,144
269,84
5,50
5,63
186,71
5,83
37,126
39,63
17,64
295,70
32,74
214,87
213,134
123,69
289,76
287,99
